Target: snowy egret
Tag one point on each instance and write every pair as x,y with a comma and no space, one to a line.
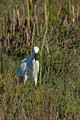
29,67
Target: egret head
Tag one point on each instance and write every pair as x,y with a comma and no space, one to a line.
35,51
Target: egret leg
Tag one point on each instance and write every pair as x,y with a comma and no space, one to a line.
25,78
35,79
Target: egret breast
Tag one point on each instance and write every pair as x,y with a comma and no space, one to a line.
35,67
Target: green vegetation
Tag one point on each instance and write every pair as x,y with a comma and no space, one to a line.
55,27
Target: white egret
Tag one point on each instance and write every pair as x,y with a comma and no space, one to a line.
29,67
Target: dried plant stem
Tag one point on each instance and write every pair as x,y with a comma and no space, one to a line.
33,35
28,13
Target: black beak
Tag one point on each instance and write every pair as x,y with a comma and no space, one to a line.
36,56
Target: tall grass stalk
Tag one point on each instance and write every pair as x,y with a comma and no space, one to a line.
43,42
46,23
33,35
70,9
36,20
28,13
14,22
73,14
1,64
78,2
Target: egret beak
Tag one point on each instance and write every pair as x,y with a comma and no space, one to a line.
36,56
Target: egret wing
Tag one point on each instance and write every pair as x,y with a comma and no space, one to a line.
22,69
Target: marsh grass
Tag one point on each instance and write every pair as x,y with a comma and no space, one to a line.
57,96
